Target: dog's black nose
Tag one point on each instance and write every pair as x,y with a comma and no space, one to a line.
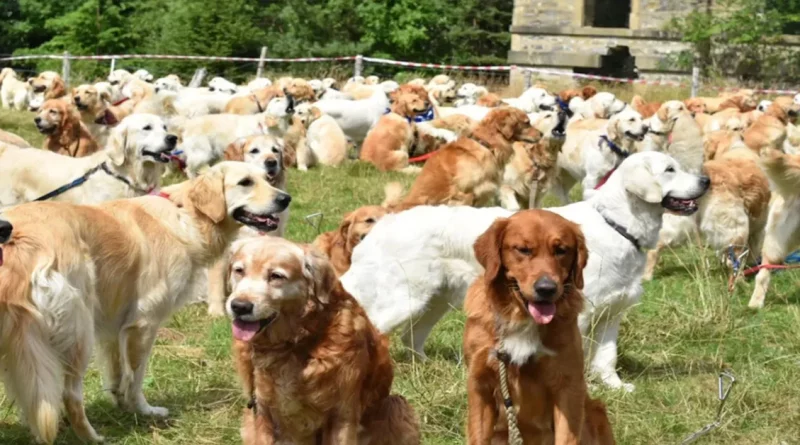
283,200
705,181
37,119
5,231
241,307
545,287
77,99
271,163
171,140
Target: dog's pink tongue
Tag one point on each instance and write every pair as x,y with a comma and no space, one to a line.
542,313
245,330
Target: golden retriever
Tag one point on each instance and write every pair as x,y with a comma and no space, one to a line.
117,271
50,83
314,366
522,314
92,105
469,170
646,109
7,137
338,244
325,143
257,102
66,134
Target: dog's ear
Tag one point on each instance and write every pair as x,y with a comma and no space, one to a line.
663,113
639,181
319,273
235,150
613,130
506,123
488,249
344,227
207,195
581,258
599,110
58,89
117,143
316,113
588,91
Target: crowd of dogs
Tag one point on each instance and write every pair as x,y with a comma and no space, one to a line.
94,250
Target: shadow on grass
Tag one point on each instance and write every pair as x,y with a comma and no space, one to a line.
631,368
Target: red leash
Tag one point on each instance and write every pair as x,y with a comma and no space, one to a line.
120,102
605,178
421,158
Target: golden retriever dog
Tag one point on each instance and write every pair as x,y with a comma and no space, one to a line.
660,125
338,244
314,366
782,233
92,105
7,137
14,93
49,83
741,102
729,99
646,109
263,151
527,175
469,170
116,272
770,129
390,142
326,143
130,166
522,315
717,143
490,100
584,93
66,134
257,101
696,105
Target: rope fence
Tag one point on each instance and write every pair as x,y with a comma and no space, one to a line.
360,60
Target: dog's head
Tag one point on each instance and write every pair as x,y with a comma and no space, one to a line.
509,123
626,124
534,261
784,108
657,178
307,113
301,91
265,151
539,99
696,105
411,100
666,116
550,123
88,98
222,85
357,224
470,91
140,139
49,83
236,191
169,83
272,278
54,116
604,105
257,84
119,77
143,75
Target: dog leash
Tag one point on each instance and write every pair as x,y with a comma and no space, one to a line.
85,177
722,395
514,435
318,216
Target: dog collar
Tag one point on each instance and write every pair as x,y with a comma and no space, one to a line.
614,147
564,107
255,98
658,133
622,231
425,117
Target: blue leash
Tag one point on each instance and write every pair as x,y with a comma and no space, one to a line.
71,185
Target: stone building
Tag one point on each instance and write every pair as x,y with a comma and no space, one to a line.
608,37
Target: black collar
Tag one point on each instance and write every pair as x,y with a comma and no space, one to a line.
122,179
614,147
622,231
658,133
255,98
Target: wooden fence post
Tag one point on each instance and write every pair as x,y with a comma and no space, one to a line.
263,56
65,68
113,65
359,65
695,80
526,74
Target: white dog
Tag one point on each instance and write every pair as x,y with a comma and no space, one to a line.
134,160
602,105
143,75
533,100
415,265
14,93
468,94
356,117
222,85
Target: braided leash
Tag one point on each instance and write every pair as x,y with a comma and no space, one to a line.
514,436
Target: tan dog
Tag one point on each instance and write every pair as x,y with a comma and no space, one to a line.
92,105
312,363
257,102
522,316
6,137
769,130
646,109
338,244
469,170
50,83
134,263
66,134
326,143
696,105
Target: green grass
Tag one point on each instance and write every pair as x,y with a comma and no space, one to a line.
672,346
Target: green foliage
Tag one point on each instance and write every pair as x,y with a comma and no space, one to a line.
739,37
448,31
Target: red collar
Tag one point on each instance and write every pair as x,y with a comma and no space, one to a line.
121,101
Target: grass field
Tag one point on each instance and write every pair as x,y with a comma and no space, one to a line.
672,346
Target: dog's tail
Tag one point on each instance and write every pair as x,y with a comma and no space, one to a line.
34,375
394,422
394,193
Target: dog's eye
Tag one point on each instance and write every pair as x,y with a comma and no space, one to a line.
165,127
560,250
147,127
632,119
370,221
238,270
52,111
246,182
670,169
275,150
524,251
276,276
255,151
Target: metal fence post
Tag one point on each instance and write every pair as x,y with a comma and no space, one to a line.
526,74
359,65
263,56
113,65
695,80
65,68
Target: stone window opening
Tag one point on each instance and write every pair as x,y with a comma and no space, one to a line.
607,13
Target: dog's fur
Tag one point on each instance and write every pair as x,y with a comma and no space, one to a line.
646,109
115,271
50,83
356,117
14,92
338,244
92,105
7,137
133,152
319,372
326,143
469,170
257,101
415,265
66,134
533,260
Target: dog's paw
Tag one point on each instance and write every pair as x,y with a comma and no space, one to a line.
628,387
302,168
153,411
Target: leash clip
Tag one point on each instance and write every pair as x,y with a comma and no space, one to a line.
722,396
315,216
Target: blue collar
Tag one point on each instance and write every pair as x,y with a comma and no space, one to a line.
614,147
425,117
564,107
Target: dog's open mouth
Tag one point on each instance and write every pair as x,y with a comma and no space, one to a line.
246,330
45,130
263,223
541,311
683,207
159,156
636,137
39,89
